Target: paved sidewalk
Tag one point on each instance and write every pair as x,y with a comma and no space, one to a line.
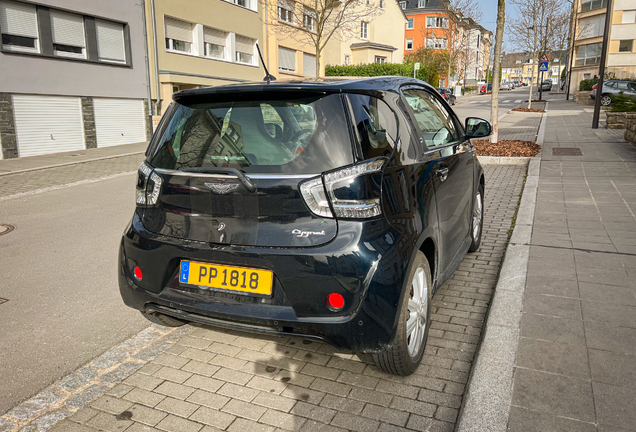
213,380
575,368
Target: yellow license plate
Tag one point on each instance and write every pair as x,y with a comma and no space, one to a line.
223,277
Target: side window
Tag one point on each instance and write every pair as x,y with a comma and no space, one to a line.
435,123
375,125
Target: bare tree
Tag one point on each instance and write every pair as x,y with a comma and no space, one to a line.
467,9
316,22
494,104
445,41
533,29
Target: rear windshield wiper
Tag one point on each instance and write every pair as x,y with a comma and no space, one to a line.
224,170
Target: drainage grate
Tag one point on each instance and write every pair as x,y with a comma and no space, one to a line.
6,229
3,300
566,151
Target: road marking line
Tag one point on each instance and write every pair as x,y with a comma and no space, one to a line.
67,185
506,101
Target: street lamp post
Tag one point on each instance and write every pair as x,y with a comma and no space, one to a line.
601,72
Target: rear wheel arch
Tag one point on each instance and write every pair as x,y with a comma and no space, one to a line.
429,250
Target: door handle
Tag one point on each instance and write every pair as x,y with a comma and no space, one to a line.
442,173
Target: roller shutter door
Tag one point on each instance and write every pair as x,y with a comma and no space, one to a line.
119,121
47,124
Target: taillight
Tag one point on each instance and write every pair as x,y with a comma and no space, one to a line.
148,185
342,189
595,86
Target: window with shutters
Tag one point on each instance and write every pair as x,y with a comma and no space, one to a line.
409,44
309,18
244,49
110,41
286,11
18,22
286,59
68,34
364,30
178,35
309,65
215,41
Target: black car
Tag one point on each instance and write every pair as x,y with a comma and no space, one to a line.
448,95
337,229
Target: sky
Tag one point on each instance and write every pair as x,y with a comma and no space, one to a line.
489,8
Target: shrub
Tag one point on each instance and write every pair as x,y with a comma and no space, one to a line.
622,103
377,69
586,85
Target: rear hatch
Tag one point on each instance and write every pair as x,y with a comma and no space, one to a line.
230,172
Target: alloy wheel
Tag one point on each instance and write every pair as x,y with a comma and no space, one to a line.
477,215
606,100
418,311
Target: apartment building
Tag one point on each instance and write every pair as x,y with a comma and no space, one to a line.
200,43
378,39
590,28
519,66
477,43
73,76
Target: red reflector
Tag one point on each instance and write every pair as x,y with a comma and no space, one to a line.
335,301
138,274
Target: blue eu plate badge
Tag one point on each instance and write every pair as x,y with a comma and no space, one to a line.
185,272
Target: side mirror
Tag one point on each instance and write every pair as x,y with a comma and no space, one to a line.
477,128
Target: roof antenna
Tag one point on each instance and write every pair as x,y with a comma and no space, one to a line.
268,77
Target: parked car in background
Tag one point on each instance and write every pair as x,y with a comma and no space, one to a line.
486,88
546,85
614,87
336,230
448,95
505,86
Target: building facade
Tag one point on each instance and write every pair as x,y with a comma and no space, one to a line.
519,67
378,39
73,76
590,29
477,45
201,43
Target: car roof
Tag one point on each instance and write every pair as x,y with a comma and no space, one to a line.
373,85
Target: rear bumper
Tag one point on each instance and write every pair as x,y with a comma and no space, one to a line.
362,265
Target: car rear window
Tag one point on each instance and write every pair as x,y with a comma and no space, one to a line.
298,136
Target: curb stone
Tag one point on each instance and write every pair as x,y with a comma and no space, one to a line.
486,405
501,160
100,375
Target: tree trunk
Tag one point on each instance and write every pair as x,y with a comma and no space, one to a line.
494,108
531,83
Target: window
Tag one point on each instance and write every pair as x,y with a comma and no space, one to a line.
588,54
409,24
409,44
589,5
347,60
375,125
435,123
178,35
381,4
591,26
403,5
309,65
68,34
368,2
243,3
364,30
286,59
286,11
438,43
309,18
421,3
379,59
244,49
110,41
19,26
629,17
439,22
626,45
215,41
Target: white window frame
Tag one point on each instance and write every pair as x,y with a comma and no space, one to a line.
410,22
364,30
309,19
381,4
170,47
439,43
236,57
379,59
347,60
106,60
60,53
626,40
170,41
409,41
421,3
249,4
285,69
19,48
403,5
629,14
288,9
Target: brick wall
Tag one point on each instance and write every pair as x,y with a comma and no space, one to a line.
7,127
88,116
630,128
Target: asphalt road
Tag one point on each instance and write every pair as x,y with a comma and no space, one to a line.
58,271
479,105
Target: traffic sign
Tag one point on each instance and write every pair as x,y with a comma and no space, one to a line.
544,66
417,66
544,58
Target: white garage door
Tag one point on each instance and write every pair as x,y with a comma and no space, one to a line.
47,124
119,121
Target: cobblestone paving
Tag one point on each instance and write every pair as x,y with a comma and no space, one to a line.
30,181
211,380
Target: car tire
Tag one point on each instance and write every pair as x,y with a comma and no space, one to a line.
606,100
163,320
477,220
404,355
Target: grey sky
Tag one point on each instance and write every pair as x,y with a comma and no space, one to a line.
489,8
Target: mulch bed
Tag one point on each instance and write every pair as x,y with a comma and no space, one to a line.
534,110
507,148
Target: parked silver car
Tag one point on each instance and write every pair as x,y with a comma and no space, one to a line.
614,87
